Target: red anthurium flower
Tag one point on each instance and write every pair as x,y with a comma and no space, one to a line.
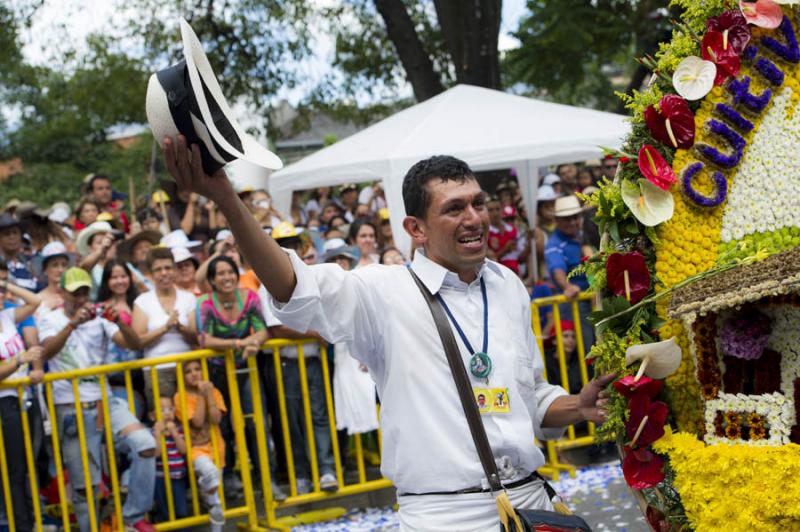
718,49
638,275
655,168
734,23
672,123
762,13
628,386
642,468
647,419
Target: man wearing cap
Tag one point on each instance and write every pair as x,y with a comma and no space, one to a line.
563,253
428,451
18,264
77,336
288,238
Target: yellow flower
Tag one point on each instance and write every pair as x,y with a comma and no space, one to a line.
735,487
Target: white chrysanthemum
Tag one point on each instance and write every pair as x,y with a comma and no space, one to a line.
764,193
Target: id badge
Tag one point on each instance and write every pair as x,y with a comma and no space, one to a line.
492,400
500,401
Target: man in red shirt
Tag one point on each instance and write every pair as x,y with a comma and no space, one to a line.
99,187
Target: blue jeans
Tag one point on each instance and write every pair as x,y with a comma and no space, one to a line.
319,416
178,499
142,469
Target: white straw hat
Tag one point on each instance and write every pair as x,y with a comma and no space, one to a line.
186,98
568,206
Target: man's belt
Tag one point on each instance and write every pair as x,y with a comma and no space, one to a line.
511,485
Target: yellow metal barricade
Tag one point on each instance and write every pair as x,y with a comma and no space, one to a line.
362,483
554,466
266,512
247,509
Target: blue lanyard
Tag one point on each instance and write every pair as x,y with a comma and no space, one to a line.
485,321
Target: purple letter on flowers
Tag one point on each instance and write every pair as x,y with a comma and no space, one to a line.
720,185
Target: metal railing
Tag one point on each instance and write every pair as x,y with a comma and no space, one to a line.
269,517
553,465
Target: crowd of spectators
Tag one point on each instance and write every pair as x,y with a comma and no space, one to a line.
108,282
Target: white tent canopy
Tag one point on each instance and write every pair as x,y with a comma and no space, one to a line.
488,129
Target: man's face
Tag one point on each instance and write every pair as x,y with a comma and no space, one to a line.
456,225
75,300
11,240
350,198
101,190
570,225
568,174
151,224
495,213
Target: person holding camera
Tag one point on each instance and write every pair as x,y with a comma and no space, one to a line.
77,336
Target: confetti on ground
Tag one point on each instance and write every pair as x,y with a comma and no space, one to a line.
371,519
597,493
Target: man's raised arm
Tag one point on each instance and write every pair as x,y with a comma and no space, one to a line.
268,260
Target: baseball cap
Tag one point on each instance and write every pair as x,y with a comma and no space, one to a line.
75,278
546,193
284,230
551,179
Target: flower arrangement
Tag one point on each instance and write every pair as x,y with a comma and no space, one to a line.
745,335
702,219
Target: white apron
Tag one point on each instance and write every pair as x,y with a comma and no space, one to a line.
469,512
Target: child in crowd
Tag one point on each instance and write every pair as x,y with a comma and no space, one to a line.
176,462
204,410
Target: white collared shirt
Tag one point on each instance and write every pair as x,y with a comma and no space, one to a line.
380,313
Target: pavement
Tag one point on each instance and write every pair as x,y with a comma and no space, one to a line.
598,493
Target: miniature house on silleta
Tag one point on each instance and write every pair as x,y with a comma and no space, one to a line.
744,328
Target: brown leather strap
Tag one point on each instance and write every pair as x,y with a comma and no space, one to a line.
463,386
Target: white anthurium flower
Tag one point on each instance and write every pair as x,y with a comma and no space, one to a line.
659,359
649,204
694,77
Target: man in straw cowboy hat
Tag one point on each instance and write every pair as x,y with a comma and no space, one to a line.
382,316
563,253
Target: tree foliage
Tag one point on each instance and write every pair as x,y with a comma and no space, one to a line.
568,48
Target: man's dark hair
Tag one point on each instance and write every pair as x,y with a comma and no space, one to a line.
159,254
445,167
95,178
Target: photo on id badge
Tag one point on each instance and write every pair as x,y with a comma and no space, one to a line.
492,400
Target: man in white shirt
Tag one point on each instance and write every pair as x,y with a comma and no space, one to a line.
428,451
76,336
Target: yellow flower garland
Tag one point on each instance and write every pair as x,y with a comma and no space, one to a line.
761,486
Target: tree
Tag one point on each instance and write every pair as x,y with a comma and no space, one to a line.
569,47
429,44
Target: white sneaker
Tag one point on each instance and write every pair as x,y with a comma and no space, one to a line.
328,482
216,517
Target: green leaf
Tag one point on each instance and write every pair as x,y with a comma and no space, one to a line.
613,231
